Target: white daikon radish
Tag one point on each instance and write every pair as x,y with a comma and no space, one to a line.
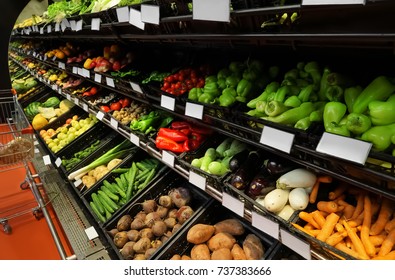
297,178
276,199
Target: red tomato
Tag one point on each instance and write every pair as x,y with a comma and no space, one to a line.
93,90
166,85
116,106
105,108
125,102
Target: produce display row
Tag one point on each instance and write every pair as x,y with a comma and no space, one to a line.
302,183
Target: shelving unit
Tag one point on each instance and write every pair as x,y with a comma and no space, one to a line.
242,34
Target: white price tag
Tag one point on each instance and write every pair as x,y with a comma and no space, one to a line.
65,23
97,78
73,25
54,58
86,73
60,91
100,115
80,71
135,139
167,102
333,2
110,82
197,180
344,147
77,182
233,204
218,10
168,158
49,28
58,162
135,19
35,142
41,30
61,65
68,97
194,110
95,24
78,26
91,233
123,14
47,160
76,101
36,151
277,139
296,244
114,123
57,27
55,87
75,70
266,225
150,14
85,107
136,87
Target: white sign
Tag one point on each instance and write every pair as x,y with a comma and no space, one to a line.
123,14
344,147
91,233
73,25
47,160
97,78
49,28
86,73
100,115
168,158
167,102
58,162
194,110
135,139
57,27
85,107
110,82
135,19
277,139
218,10
61,65
266,225
77,183
95,24
78,26
233,204
114,123
75,70
333,2
197,180
296,244
150,14
136,87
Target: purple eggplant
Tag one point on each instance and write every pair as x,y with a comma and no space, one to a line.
247,170
277,166
261,184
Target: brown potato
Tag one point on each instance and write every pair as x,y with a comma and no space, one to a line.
133,235
127,251
221,240
124,222
200,252
142,245
238,252
137,224
146,232
221,254
120,239
200,233
139,257
231,226
253,247
149,253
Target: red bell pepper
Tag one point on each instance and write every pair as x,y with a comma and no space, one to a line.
164,143
180,125
186,146
172,134
201,130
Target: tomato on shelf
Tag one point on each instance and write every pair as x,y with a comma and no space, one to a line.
125,102
116,106
105,108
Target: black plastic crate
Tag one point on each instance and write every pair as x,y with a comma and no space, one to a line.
162,186
212,214
137,156
282,252
271,3
103,16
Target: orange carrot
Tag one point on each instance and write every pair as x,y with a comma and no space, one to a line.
307,231
388,244
356,241
389,256
342,247
318,217
339,227
327,228
386,210
316,186
327,206
309,226
390,225
357,221
339,190
358,207
365,229
335,238
377,240
307,217
348,209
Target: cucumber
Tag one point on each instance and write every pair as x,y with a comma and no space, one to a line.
118,189
119,182
109,193
108,200
97,212
98,204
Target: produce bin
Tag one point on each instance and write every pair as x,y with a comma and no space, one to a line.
213,213
162,186
282,252
110,177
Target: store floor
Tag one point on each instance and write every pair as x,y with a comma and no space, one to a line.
30,238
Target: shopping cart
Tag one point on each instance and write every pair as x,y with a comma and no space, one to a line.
16,151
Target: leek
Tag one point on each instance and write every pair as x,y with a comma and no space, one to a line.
120,150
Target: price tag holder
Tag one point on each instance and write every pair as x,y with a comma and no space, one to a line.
114,123
277,139
75,70
97,78
344,147
85,107
73,25
233,204
135,19
55,87
36,151
197,180
77,183
296,244
333,2
266,225
100,115
68,97
95,24
123,14
58,162
167,102
61,65
218,10
57,27
135,139
78,26
136,87
49,28
110,82
150,14
41,30
60,91
194,110
76,101
86,73
47,160
91,233
54,58
80,71
168,158
65,23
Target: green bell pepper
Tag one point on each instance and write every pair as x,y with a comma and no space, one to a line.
194,93
260,106
305,93
211,88
382,112
318,114
210,79
221,83
282,93
226,99
379,89
250,74
303,124
334,93
255,113
223,73
232,81
358,123
313,69
292,74
293,115
380,136
334,112
230,91
244,88
273,72
256,65
275,108
236,67
350,95
206,98
272,87
323,84
292,101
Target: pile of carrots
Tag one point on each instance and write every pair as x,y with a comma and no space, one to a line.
362,227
